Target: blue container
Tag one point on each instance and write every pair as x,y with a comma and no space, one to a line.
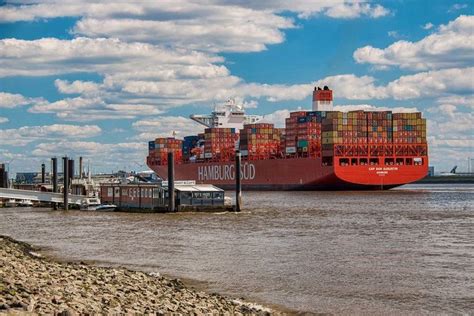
151,144
302,119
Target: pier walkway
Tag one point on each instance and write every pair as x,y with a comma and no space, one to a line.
39,196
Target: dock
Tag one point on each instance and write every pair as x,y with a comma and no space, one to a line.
39,196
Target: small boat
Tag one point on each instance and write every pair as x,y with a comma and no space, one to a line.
11,203
93,204
26,203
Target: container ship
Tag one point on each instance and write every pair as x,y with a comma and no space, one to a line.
321,149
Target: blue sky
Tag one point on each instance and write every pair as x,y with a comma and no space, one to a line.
81,78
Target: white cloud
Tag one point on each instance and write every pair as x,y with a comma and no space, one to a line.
102,156
277,118
49,56
368,107
27,134
432,83
9,100
3,119
356,9
467,101
216,25
242,31
428,26
76,87
92,109
164,126
451,46
457,6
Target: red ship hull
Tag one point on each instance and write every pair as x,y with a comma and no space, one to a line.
297,174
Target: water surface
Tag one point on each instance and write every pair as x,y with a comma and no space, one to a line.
403,251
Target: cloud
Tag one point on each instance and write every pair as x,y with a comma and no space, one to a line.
457,7
164,126
449,47
459,100
9,100
3,119
27,134
215,26
242,31
356,9
92,109
76,87
50,56
428,26
277,118
102,156
368,107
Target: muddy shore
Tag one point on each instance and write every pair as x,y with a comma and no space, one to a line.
30,282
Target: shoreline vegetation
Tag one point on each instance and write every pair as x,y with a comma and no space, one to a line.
31,283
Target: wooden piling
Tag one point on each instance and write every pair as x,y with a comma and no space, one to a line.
66,183
54,178
238,181
171,199
43,173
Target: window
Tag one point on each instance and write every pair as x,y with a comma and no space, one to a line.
110,192
418,161
363,161
373,161
197,195
344,162
327,161
354,161
219,195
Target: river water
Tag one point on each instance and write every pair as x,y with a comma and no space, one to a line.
405,251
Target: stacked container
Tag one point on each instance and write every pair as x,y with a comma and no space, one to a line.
159,149
379,127
303,132
220,143
260,140
189,143
409,128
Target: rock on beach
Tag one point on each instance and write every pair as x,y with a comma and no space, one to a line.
30,283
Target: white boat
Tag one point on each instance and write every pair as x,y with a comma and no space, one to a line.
11,203
93,204
25,202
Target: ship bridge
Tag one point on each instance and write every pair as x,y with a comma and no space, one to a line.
227,115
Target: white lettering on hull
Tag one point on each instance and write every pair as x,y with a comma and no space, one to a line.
225,172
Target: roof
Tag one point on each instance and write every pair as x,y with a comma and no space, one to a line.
198,188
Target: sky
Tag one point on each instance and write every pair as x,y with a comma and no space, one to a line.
98,80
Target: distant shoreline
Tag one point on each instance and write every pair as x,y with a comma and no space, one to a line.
447,180
33,283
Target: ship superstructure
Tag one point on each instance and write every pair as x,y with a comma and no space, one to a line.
227,115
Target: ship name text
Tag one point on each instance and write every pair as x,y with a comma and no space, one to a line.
226,172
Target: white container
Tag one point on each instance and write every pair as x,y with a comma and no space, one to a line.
290,150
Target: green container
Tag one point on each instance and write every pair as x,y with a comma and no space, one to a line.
302,143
